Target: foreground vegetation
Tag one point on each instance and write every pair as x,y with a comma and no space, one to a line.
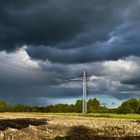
57,126
113,115
129,106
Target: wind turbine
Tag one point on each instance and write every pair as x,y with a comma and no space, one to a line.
84,79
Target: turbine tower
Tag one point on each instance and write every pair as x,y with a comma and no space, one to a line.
84,79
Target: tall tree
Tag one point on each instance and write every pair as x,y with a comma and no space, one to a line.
2,105
78,106
93,105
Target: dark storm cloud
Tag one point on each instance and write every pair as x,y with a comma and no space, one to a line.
102,39
133,77
57,23
60,93
132,81
71,29
68,36
96,52
48,22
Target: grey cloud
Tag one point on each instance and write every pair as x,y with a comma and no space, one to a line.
55,22
69,30
65,37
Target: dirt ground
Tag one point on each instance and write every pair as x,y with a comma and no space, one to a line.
22,126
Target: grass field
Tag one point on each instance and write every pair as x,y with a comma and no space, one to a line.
109,115
100,115
43,126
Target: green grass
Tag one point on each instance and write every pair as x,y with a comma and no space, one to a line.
101,115
113,115
105,115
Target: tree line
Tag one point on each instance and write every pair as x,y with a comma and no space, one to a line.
94,106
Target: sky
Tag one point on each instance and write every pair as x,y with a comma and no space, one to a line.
46,43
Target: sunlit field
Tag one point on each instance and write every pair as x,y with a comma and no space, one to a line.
42,126
104,115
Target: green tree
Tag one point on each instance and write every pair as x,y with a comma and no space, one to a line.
134,104
20,108
93,105
78,106
3,105
129,106
71,108
125,108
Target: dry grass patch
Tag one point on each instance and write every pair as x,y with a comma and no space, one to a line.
43,127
